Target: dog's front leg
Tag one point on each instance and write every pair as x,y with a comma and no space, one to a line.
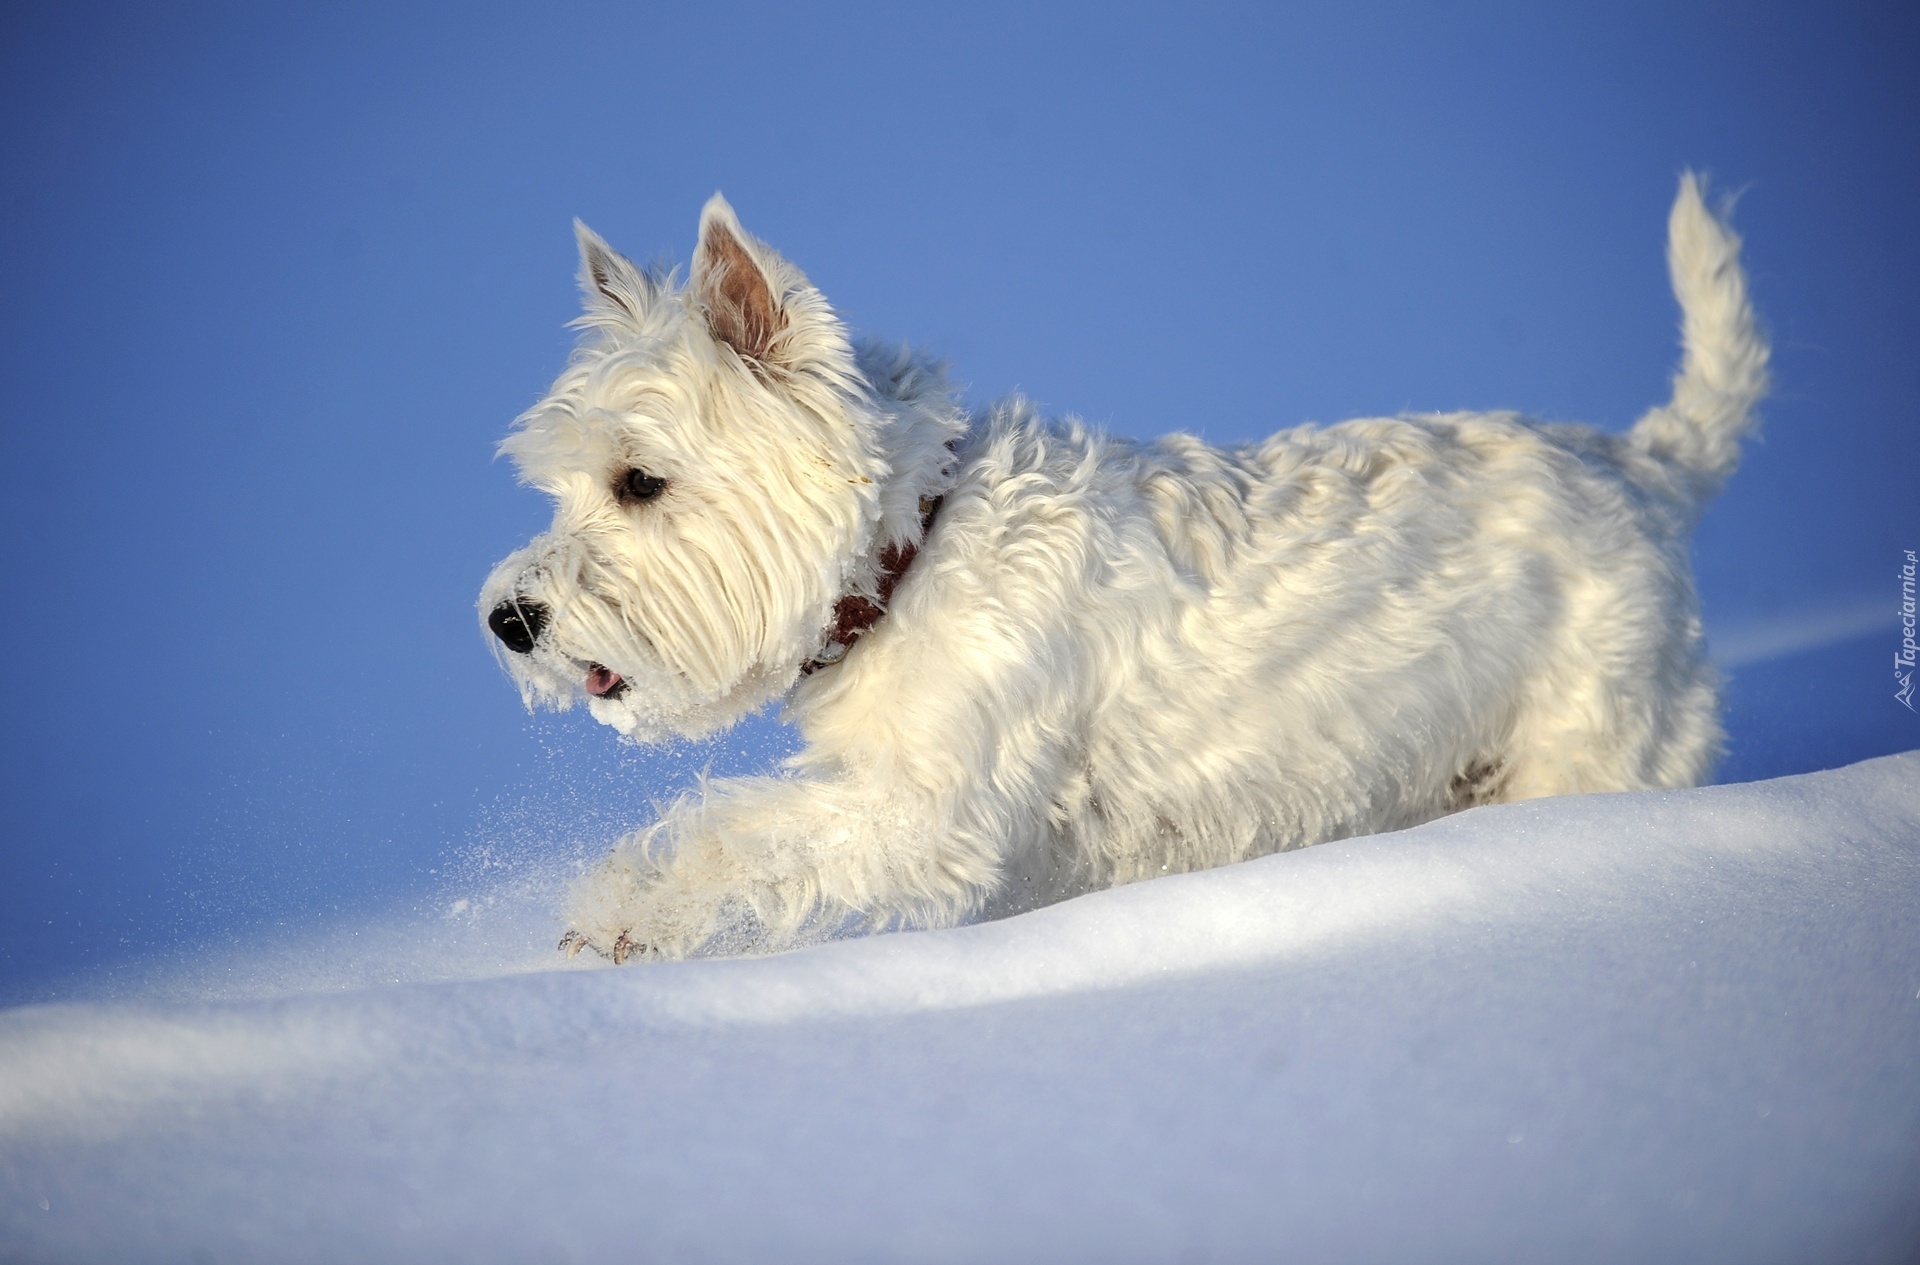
763,857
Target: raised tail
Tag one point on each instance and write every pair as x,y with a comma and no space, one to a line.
1724,372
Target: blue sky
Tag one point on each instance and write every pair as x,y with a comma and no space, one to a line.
277,279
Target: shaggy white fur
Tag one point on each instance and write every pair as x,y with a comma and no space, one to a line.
1108,660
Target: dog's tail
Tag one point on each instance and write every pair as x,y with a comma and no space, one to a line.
1724,371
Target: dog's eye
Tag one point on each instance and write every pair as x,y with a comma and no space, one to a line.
636,486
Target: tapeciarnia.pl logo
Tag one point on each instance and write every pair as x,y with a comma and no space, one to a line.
1903,658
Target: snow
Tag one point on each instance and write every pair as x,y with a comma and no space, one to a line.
1649,1027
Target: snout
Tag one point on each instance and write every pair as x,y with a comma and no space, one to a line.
517,623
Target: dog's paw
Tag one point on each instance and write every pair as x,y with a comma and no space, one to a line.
634,905
636,925
615,909
622,947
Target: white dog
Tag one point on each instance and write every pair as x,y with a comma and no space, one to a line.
1029,658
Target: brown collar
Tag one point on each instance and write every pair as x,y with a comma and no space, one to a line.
854,614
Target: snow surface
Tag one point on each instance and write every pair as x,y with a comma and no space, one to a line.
1650,1027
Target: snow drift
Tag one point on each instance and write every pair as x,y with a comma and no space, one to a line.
1661,1026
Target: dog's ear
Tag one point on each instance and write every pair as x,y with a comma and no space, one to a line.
733,284
609,283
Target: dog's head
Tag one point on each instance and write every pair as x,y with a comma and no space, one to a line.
714,455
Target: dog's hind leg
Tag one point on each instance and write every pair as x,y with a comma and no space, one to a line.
1483,781
1654,727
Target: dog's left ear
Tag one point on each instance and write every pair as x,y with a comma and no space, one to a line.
734,284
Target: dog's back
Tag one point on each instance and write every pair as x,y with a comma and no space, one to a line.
1353,628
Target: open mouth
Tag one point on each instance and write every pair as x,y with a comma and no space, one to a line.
604,682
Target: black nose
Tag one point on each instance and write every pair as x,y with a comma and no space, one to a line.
517,622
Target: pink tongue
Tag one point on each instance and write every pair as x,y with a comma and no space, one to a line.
600,680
